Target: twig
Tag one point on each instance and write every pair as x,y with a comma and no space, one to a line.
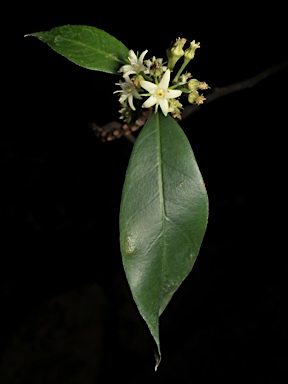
111,131
239,86
114,129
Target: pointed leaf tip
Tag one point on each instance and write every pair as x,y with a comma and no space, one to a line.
89,47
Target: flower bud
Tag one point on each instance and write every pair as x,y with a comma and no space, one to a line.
184,77
192,97
195,98
190,52
203,86
136,80
175,52
200,99
193,84
175,108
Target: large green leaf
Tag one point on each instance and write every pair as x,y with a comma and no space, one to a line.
163,217
86,46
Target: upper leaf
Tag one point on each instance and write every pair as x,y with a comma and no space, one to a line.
163,216
86,46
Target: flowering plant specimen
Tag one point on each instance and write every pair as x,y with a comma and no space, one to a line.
164,204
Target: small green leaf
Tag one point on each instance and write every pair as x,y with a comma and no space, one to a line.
163,217
86,46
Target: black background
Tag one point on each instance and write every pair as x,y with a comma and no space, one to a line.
62,187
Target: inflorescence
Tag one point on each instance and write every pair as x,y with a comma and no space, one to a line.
151,79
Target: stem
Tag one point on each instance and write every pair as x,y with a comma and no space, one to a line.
180,71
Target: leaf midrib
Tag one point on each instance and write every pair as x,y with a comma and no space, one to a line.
80,43
161,196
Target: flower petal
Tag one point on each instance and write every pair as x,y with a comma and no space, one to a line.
164,106
172,93
136,94
122,98
125,68
150,102
140,60
128,73
148,86
164,83
132,56
130,101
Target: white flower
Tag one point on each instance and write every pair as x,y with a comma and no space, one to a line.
136,64
128,92
159,94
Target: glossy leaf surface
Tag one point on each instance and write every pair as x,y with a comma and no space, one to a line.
89,47
163,217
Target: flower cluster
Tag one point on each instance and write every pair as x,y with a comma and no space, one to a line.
151,79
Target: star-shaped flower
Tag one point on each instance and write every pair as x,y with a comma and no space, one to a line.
159,94
128,91
136,64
